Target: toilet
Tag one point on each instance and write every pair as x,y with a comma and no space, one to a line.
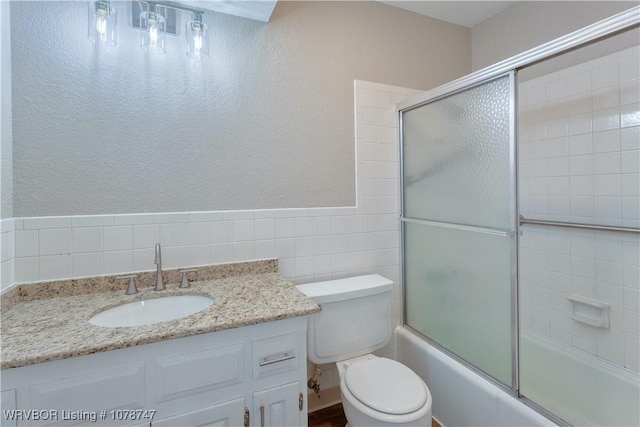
356,320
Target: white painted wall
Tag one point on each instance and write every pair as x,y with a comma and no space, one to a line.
527,24
265,122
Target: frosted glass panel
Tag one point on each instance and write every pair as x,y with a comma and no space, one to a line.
458,293
457,158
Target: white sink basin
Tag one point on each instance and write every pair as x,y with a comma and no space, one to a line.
148,312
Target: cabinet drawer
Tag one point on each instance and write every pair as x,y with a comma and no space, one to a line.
75,398
275,355
186,374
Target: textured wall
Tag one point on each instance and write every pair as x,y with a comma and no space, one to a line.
527,24
266,122
6,151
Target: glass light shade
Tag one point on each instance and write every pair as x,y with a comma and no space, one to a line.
197,38
102,23
152,32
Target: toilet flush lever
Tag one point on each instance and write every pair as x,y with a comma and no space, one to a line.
184,282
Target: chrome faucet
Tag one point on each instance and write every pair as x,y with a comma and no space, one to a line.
158,262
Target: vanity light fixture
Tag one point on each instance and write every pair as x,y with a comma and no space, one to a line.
197,35
155,19
102,23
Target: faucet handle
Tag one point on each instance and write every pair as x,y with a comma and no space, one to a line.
132,283
184,283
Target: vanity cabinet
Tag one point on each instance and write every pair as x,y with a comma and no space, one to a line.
254,373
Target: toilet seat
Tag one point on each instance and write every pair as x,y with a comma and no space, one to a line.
386,386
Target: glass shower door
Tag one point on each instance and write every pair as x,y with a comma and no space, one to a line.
458,217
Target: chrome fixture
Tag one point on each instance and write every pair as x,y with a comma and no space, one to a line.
184,282
131,290
158,263
102,23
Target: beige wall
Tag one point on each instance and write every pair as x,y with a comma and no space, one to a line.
266,122
6,152
528,24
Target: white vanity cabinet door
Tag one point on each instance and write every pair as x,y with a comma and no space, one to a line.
278,407
226,414
8,401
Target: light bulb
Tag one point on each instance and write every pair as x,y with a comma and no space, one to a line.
197,38
101,26
153,32
102,23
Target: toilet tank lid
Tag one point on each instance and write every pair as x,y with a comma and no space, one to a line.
344,289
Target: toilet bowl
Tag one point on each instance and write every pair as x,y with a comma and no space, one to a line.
377,391
354,321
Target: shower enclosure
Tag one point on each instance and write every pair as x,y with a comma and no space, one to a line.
520,223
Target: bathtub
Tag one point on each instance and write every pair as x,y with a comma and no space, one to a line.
577,386
559,379
460,396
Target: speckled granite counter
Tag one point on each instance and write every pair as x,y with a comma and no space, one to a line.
57,328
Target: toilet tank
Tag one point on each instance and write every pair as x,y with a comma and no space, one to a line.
355,317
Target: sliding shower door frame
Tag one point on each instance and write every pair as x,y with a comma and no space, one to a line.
606,28
512,233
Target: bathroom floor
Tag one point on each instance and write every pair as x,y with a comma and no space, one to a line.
333,416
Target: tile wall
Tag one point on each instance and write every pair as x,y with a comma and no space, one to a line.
580,162
311,244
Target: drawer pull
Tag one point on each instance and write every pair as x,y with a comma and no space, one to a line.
279,358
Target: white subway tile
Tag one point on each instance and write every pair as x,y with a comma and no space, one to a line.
580,144
88,239
265,249
87,264
322,226
303,227
630,161
118,238
133,219
323,245
170,217
304,266
606,119
39,223
322,264
143,259
174,257
285,227
55,241
285,248
53,267
119,262
145,236
630,138
197,233
197,255
26,243
243,230
92,220
630,115
27,269
236,215
173,234
221,231
207,216
607,185
339,263
304,246
221,253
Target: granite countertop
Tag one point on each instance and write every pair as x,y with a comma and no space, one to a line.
57,328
